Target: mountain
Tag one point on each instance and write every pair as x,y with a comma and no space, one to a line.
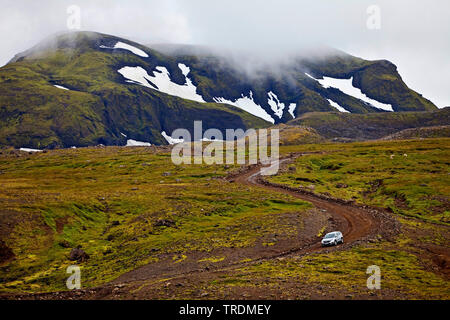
421,133
370,126
67,91
87,88
321,79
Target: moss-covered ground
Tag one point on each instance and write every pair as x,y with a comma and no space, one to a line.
109,202
128,207
410,177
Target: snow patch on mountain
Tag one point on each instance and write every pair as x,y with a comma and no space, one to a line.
278,107
185,70
337,106
136,75
122,45
60,87
29,150
310,76
291,109
134,143
161,79
170,140
247,104
346,86
275,104
211,140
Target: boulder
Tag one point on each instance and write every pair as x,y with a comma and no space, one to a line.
78,254
164,223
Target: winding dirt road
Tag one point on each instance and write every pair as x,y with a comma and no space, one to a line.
355,222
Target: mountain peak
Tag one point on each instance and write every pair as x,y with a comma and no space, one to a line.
93,87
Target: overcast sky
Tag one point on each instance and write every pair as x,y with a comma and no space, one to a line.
413,34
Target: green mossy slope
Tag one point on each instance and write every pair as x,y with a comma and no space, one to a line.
100,104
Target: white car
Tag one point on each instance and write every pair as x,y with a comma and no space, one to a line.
333,239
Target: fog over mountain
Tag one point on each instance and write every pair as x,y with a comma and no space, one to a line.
413,34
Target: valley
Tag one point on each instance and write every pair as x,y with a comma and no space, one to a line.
153,230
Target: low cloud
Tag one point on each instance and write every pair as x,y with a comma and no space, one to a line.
413,34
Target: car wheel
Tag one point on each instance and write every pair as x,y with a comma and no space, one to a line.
335,242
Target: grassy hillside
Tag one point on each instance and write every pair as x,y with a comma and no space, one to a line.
131,207
421,133
370,126
295,135
408,178
111,201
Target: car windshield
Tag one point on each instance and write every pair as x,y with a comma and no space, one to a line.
330,235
